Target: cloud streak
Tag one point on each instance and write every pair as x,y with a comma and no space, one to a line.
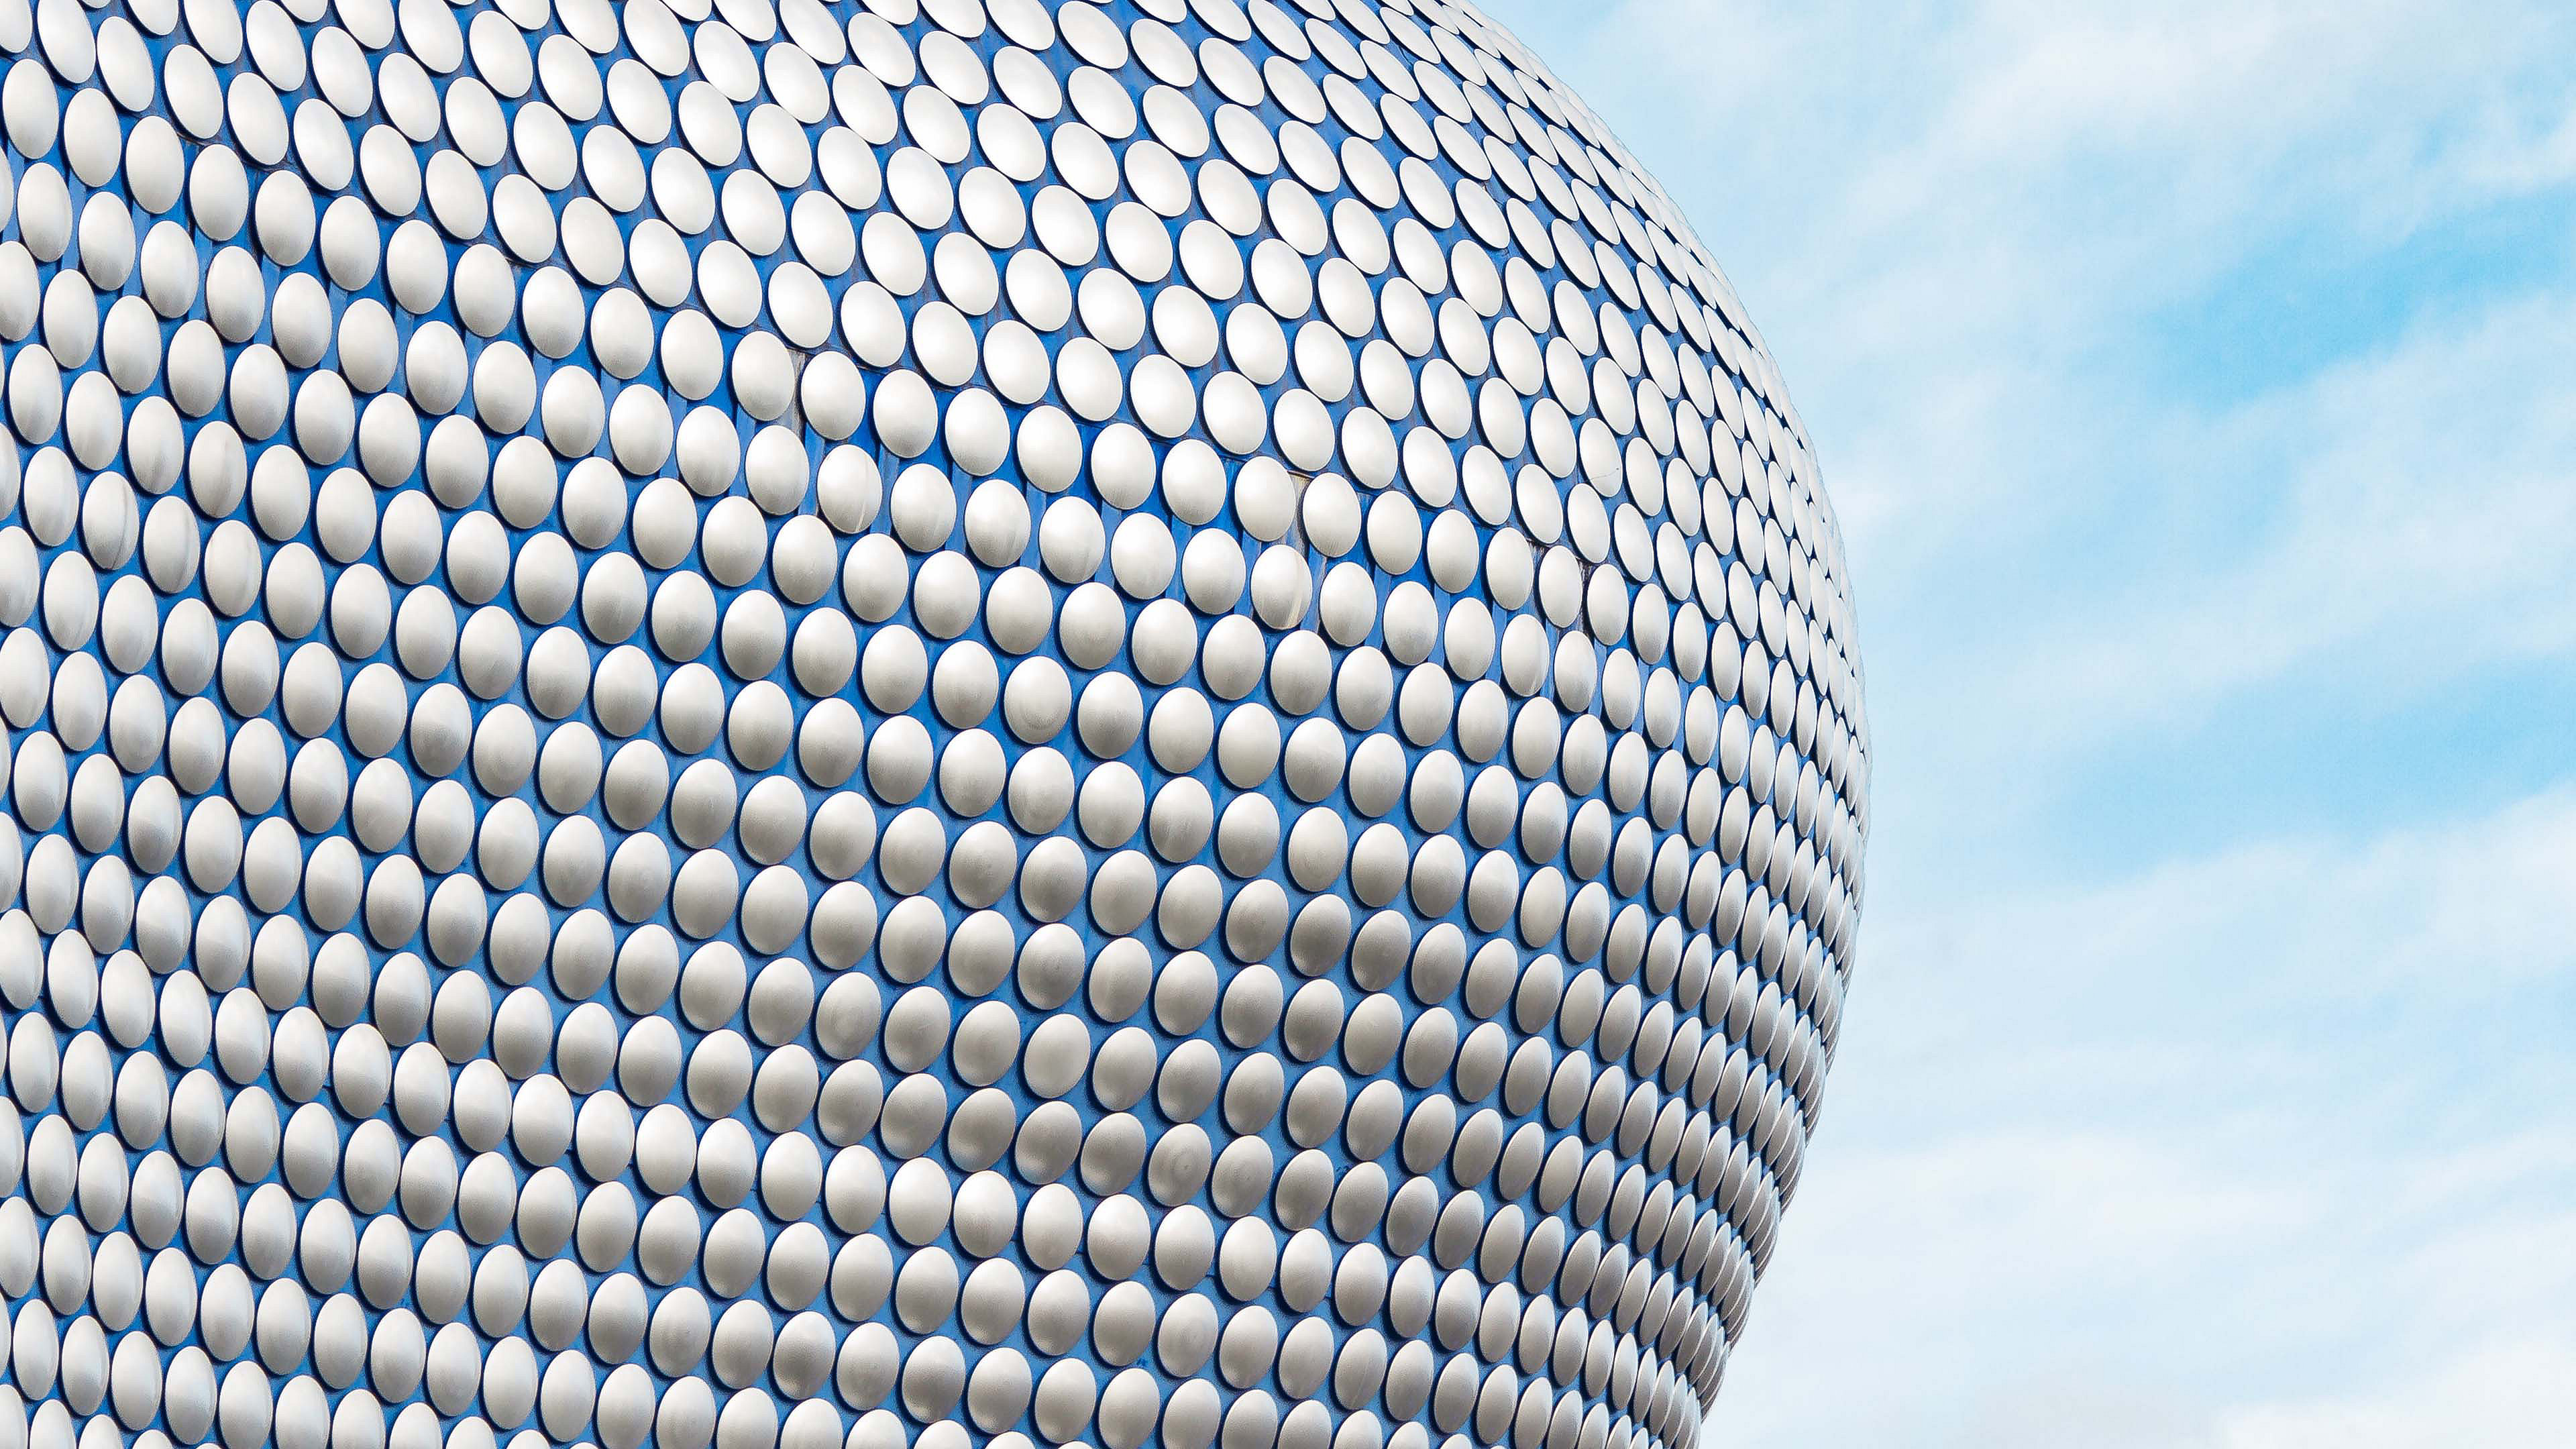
2196,1139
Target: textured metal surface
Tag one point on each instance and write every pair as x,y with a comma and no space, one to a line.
953,721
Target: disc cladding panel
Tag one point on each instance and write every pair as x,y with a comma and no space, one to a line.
938,722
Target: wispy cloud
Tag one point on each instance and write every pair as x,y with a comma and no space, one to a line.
2508,1393
2414,515
2223,1154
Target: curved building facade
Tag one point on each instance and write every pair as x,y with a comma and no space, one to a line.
944,722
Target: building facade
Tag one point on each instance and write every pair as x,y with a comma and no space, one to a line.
938,722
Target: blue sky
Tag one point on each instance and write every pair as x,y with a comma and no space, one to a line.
2198,391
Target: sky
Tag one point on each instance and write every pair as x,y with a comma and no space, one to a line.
2197,389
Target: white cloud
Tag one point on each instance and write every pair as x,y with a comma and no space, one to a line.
2518,1393
2423,506
2462,912
2194,1157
